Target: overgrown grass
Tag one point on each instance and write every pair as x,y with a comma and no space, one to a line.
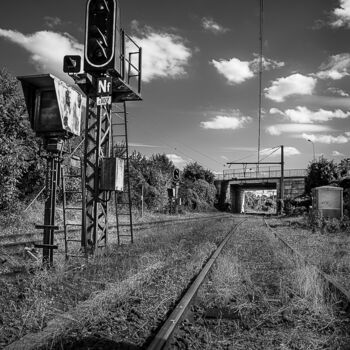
263,299
173,256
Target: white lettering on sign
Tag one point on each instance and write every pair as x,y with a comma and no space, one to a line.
104,100
104,86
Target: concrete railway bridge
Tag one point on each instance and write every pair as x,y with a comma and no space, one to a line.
232,184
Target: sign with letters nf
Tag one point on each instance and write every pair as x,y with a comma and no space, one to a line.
104,86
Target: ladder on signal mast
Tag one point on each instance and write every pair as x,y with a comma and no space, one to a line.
73,189
122,199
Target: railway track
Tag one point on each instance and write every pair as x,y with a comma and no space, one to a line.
22,240
246,296
191,319
13,255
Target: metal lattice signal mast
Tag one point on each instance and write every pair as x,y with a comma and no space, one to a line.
106,81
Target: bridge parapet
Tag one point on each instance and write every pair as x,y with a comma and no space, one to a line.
263,173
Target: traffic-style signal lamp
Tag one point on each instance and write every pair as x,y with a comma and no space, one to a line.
71,64
102,37
176,174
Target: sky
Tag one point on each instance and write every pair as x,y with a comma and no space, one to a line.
200,84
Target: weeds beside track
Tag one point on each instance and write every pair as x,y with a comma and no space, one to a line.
258,299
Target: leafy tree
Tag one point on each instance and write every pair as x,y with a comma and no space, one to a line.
320,173
195,171
154,174
344,167
19,163
197,188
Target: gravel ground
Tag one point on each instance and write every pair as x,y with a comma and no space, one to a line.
257,298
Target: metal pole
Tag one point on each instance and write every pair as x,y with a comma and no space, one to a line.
282,177
260,74
142,200
313,149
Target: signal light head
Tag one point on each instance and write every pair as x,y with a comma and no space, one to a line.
100,33
71,64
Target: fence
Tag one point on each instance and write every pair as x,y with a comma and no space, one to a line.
261,173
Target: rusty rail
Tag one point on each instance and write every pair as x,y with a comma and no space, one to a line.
162,338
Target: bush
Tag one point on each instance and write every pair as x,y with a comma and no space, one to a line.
20,165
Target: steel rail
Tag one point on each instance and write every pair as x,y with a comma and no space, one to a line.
162,338
337,288
138,226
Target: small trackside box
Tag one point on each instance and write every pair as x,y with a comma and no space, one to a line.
112,174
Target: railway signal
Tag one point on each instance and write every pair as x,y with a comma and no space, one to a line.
102,36
176,175
71,64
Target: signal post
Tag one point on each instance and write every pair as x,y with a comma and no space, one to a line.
105,83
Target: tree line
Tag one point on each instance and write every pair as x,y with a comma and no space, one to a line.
22,163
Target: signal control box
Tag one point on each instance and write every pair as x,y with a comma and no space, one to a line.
112,174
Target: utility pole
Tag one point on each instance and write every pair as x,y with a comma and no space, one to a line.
260,74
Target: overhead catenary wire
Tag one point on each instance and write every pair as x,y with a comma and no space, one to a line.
172,148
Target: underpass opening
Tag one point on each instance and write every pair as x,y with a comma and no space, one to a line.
259,201
259,198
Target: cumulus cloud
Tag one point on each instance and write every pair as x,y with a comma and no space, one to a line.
304,115
52,22
164,55
232,122
267,63
338,92
341,15
210,25
328,139
177,160
46,48
337,154
279,129
287,151
234,70
336,68
295,84
237,71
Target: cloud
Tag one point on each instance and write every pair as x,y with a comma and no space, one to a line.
135,144
304,115
295,84
279,129
224,158
336,68
267,63
341,15
234,70
177,160
339,92
287,151
328,139
233,122
237,71
46,48
210,25
164,55
52,22
337,154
